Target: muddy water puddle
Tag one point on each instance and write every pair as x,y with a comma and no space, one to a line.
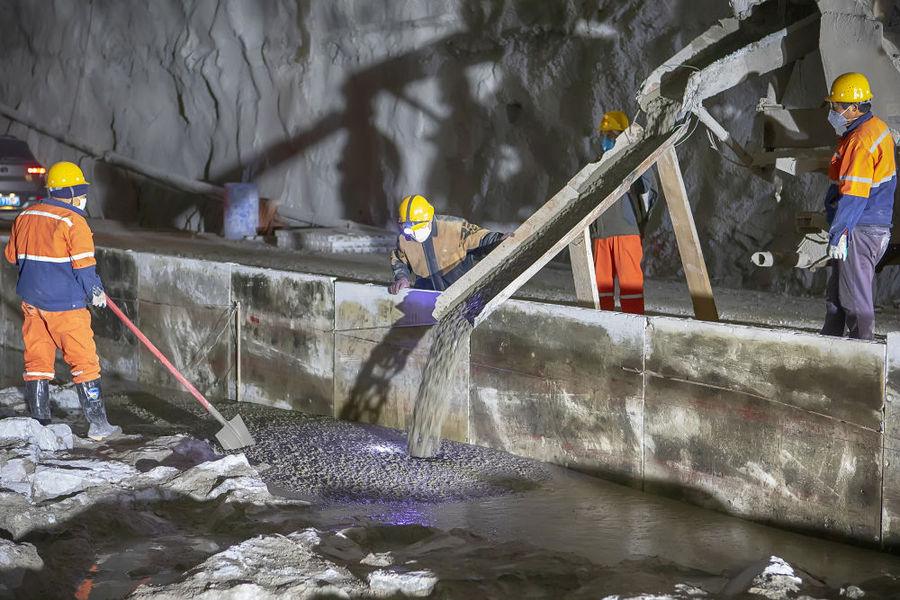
610,524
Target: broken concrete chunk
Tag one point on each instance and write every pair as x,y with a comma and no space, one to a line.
412,584
381,559
271,566
65,397
61,478
15,560
51,438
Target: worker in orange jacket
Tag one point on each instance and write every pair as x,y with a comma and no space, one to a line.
859,206
53,248
617,232
433,250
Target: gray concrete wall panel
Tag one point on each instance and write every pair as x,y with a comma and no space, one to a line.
381,346
183,305
116,345
785,433
11,328
890,514
562,385
287,343
810,372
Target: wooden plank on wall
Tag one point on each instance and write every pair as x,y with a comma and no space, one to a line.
582,259
686,236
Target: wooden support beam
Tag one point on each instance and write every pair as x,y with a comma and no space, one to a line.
549,230
686,236
582,258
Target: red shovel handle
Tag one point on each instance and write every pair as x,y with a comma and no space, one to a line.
162,359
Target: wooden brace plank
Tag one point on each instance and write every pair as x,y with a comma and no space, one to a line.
686,236
582,259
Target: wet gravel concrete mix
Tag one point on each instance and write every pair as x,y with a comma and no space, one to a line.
320,508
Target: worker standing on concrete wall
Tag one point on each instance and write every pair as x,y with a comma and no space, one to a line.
617,233
435,249
53,247
859,206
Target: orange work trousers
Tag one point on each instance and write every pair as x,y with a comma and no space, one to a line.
69,330
620,257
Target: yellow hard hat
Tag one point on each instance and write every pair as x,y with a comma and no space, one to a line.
614,120
65,174
415,212
850,87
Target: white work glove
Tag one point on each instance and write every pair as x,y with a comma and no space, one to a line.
398,285
838,251
98,297
645,200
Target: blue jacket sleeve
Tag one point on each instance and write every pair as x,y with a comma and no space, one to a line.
88,279
831,202
849,210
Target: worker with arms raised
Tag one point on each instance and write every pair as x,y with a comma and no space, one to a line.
433,250
859,206
617,233
53,248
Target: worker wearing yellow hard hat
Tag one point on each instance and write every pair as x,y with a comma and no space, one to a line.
859,206
433,250
617,233
65,181
53,248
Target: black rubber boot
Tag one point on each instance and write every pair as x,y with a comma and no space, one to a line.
37,394
91,396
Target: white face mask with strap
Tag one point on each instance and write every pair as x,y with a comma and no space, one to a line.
80,202
420,235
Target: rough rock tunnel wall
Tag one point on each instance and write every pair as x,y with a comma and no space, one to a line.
337,110
770,425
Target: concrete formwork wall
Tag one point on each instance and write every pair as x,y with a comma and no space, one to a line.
186,308
381,344
560,385
773,426
287,342
890,514
778,426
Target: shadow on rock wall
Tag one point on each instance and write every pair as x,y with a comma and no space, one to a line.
496,149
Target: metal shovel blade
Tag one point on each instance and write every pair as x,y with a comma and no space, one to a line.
235,435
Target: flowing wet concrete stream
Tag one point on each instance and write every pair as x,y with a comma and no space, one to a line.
354,516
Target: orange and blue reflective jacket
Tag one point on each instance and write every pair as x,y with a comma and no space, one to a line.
53,247
448,253
863,177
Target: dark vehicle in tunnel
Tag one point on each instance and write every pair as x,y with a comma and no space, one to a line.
21,175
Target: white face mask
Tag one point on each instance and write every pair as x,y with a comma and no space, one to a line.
420,235
838,120
80,202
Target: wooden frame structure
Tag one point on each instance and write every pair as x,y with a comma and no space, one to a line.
564,221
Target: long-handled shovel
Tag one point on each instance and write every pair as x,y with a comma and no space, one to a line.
234,433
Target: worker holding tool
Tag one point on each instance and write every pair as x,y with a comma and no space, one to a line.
618,231
53,248
436,249
859,206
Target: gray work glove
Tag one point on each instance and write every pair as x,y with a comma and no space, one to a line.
398,285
